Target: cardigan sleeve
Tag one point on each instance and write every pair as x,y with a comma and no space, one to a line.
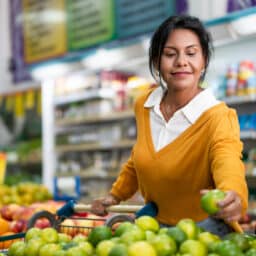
126,184
225,157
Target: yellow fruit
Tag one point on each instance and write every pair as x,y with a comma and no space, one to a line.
189,227
193,248
164,245
133,235
104,247
208,238
141,248
147,223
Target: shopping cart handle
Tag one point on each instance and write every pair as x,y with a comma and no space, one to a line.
67,210
72,207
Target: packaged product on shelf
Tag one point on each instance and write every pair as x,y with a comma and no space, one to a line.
245,71
231,87
251,85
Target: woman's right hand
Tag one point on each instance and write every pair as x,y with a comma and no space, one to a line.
99,206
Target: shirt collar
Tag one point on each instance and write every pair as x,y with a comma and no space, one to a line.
192,111
199,104
154,98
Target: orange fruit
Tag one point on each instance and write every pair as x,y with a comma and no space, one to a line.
6,244
4,226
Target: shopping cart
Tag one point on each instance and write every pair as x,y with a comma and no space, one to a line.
71,213
74,211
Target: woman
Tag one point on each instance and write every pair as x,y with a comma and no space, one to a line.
188,142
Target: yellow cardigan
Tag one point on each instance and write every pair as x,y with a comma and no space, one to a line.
207,155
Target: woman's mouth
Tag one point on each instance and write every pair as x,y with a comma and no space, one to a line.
180,74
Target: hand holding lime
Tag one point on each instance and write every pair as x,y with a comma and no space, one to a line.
209,201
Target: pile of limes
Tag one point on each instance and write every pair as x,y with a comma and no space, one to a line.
145,237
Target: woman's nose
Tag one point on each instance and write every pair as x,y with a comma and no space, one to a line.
181,60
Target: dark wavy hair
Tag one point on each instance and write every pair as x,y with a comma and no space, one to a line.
161,34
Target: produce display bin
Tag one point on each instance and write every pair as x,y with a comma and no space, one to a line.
70,213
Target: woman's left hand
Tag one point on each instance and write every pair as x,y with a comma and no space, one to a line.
230,207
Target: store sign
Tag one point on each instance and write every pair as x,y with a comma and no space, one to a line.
138,17
50,29
18,67
90,22
44,29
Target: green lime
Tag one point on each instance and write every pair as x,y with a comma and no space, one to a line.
164,245
33,233
228,248
118,250
123,227
189,227
252,243
17,249
133,235
87,247
104,247
150,235
177,234
251,252
98,234
209,201
193,248
239,239
208,238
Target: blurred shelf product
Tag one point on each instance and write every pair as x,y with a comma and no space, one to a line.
95,128
235,100
21,131
107,145
95,118
248,135
251,181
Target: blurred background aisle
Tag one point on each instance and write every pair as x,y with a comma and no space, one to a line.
70,72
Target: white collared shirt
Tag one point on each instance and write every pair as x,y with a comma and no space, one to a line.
163,133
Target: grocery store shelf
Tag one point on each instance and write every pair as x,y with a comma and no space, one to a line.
85,95
251,181
248,135
96,146
25,163
233,100
89,175
96,118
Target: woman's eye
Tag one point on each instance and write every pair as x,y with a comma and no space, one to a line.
191,53
169,54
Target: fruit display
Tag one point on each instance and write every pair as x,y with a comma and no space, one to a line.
14,217
144,237
24,193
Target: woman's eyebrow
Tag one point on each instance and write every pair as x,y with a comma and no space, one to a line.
174,48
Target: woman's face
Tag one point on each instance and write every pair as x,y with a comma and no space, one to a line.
182,60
